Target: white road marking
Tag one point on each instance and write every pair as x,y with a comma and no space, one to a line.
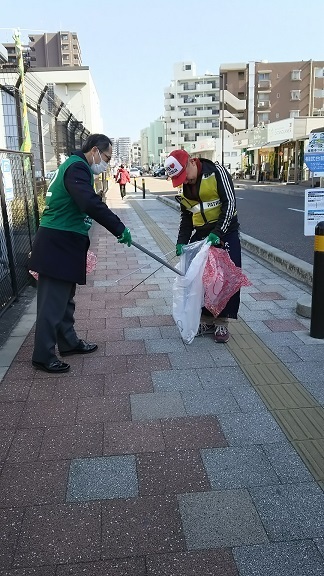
295,210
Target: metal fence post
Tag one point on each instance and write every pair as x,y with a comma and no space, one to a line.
143,187
317,312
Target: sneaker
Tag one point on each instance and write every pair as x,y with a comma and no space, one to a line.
205,328
221,334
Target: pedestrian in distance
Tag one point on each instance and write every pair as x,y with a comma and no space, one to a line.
122,177
208,210
60,249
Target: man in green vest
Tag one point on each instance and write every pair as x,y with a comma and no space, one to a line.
60,249
208,210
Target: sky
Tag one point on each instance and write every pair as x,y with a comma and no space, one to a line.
131,46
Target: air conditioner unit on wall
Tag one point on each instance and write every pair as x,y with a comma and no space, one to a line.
261,104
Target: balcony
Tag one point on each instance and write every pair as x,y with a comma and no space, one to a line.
264,83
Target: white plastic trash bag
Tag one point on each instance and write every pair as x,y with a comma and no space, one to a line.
188,290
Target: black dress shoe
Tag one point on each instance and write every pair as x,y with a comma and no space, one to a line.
55,367
82,348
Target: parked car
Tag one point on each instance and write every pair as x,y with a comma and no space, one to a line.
134,173
159,171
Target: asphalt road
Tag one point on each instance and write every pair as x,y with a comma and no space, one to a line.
274,218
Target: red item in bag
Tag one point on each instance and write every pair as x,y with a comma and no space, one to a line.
90,266
221,279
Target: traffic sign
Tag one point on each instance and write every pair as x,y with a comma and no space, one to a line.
314,154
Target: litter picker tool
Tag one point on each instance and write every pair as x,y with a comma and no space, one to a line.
164,262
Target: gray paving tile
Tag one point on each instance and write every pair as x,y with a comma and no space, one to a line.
197,360
286,353
279,339
238,467
164,345
283,559
157,405
251,428
320,545
306,371
204,402
102,478
137,311
310,353
287,463
219,377
247,398
250,315
219,519
222,356
170,332
169,380
145,333
258,327
291,512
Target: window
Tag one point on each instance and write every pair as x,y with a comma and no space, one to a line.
263,117
159,139
241,75
66,57
187,67
295,75
65,46
278,94
294,113
241,95
295,95
264,76
64,37
233,154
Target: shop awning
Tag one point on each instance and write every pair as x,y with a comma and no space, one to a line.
268,145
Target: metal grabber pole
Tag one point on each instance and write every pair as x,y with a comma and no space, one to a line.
149,253
317,312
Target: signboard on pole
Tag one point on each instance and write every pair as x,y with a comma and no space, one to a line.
314,155
314,209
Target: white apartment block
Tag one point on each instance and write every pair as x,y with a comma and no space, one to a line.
194,113
191,104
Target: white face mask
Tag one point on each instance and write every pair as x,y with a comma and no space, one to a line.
99,168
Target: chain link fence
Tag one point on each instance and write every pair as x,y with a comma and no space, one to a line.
19,219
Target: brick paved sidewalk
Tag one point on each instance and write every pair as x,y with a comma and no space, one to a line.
153,458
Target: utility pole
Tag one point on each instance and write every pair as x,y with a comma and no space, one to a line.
223,116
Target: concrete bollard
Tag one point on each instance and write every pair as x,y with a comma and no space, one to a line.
317,312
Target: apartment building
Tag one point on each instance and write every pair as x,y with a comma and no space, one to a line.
48,50
136,155
191,104
272,91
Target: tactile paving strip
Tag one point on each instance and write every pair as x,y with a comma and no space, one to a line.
298,414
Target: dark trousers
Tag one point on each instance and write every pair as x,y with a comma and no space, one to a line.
122,188
55,318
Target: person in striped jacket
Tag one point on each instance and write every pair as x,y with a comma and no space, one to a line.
208,210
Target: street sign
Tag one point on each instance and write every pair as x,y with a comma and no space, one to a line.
314,155
314,209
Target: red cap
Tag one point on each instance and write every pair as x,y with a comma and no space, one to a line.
175,166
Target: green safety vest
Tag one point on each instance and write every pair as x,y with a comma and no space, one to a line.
207,207
61,212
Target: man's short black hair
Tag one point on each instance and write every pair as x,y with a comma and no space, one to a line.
100,140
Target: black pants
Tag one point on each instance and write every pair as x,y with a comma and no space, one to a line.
55,318
122,188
